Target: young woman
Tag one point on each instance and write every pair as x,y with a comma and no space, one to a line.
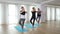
33,16
38,15
22,17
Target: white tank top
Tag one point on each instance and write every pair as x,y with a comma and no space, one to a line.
22,16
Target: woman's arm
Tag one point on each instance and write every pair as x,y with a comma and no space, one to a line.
20,11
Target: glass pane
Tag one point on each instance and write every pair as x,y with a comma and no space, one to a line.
48,13
57,13
53,13
12,18
1,14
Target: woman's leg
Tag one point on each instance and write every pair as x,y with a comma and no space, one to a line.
37,19
20,22
31,20
23,21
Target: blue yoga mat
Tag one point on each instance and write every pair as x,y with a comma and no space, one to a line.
20,29
30,25
27,26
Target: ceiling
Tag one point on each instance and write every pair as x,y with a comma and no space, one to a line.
36,1
55,2
33,1
49,2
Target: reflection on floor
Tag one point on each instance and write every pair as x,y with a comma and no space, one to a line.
50,27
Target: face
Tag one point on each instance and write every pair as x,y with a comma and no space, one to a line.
22,8
38,9
34,9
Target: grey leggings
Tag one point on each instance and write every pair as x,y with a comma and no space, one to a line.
21,22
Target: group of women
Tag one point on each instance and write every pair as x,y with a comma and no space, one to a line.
33,17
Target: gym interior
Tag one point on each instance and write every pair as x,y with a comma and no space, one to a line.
10,15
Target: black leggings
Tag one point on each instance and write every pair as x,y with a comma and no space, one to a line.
21,22
38,17
32,18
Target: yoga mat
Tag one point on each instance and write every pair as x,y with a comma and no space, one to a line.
20,29
30,25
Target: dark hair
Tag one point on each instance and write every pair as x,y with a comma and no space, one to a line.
38,9
22,7
33,8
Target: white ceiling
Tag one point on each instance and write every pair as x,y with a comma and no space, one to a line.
37,1
55,2
33,1
49,2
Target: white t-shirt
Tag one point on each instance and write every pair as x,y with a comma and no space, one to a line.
22,16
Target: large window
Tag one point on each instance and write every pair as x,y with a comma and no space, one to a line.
48,13
12,14
1,14
53,13
57,13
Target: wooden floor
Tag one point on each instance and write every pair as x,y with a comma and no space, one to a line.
50,27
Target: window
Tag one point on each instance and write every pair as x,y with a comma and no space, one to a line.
12,14
48,13
57,13
1,14
53,13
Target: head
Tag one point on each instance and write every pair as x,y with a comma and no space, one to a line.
38,9
22,8
33,9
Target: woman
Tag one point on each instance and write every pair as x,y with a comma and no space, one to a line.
38,15
22,17
33,16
